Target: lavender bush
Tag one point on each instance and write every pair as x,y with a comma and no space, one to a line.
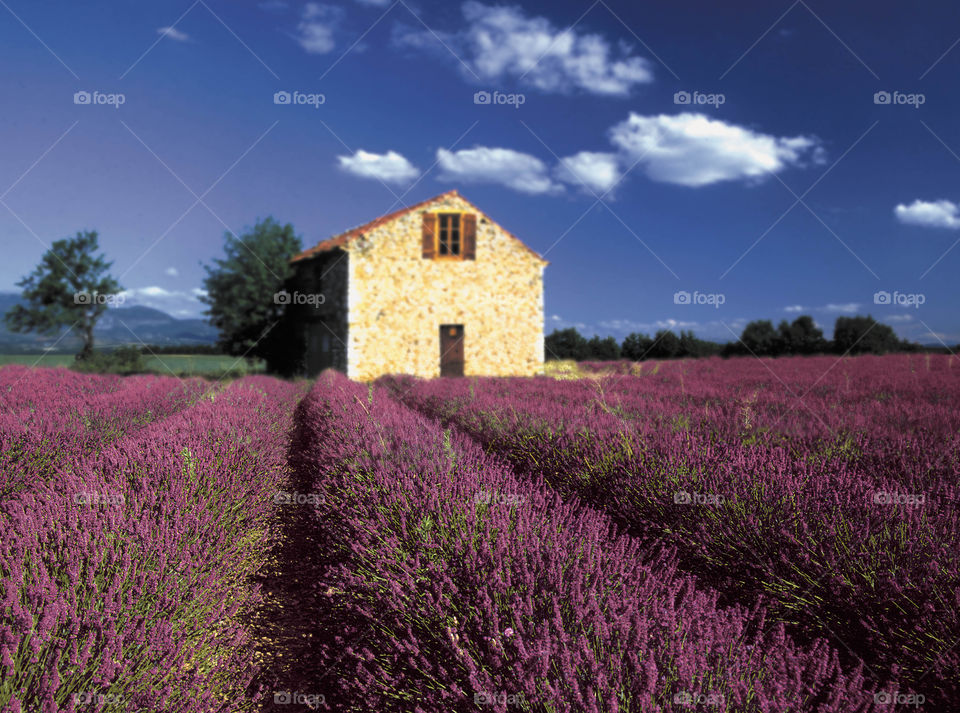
466,587
824,488
125,571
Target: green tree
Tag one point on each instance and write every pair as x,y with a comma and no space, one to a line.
69,288
605,349
636,347
801,336
760,338
566,344
864,335
242,290
690,346
665,345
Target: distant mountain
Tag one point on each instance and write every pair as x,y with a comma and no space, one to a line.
119,325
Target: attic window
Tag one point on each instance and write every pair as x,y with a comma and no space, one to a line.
448,235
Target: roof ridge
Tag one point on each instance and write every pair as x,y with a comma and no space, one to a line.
341,239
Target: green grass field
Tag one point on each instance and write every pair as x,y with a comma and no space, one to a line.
208,365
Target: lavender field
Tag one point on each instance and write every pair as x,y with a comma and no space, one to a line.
740,535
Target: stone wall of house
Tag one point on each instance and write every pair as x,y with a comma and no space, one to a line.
324,324
398,300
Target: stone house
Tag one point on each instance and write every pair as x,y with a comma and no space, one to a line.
435,289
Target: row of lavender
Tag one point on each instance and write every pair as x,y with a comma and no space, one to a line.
824,489
464,586
49,416
126,556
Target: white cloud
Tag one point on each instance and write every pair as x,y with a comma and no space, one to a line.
596,172
154,292
846,308
174,302
172,272
315,31
390,167
562,323
794,308
173,33
626,325
940,337
502,42
898,318
403,35
715,330
696,150
931,214
519,171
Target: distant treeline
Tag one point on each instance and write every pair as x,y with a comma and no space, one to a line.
146,350
181,349
851,335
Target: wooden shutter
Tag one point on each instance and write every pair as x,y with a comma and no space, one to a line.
429,231
468,234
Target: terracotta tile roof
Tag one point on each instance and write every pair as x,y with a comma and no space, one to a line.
338,241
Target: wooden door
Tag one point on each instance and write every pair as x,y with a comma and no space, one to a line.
451,350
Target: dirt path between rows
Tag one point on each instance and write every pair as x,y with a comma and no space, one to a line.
298,627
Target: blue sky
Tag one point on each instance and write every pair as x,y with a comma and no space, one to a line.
781,182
